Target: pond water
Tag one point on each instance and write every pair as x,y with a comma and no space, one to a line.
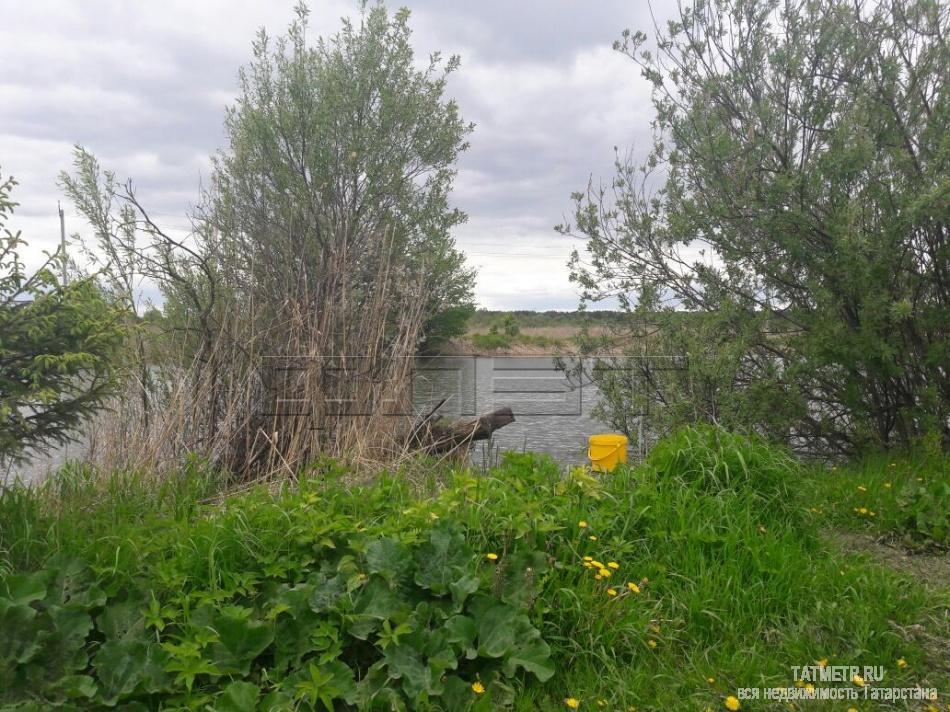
552,412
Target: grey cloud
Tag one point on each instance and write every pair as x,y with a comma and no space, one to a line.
144,85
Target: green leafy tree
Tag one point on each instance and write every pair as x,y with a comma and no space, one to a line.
342,154
57,347
795,203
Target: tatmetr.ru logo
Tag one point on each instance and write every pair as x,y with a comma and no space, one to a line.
838,673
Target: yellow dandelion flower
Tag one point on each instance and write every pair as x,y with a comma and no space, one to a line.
611,592
582,524
596,563
651,643
862,488
588,565
598,577
572,702
887,485
606,573
613,564
872,513
492,556
732,703
711,680
799,683
809,687
592,537
858,680
901,663
601,703
588,558
852,709
822,663
862,510
762,529
633,587
478,688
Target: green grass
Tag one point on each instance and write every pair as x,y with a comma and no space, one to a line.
322,594
904,498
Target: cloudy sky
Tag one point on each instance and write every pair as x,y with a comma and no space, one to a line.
144,85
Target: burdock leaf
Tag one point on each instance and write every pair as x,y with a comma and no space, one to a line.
240,640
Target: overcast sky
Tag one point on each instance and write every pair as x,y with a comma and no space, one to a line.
144,85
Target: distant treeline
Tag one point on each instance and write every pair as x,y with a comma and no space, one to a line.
485,318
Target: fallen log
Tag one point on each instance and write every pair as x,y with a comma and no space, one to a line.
436,437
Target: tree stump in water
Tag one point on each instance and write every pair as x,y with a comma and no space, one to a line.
438,438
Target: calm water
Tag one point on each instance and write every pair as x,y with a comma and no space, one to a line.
552,412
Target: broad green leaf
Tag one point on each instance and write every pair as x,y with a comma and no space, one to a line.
442,560
405,663
123,619
326,591
461,631
496,630
24,588
123,666
388,558
72,687
456,694
532,654
21,630
379,600
239,696
240,640
462,589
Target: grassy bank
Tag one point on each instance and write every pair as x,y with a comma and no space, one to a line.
665,586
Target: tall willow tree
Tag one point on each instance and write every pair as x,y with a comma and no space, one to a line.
321,258
337,148
788,232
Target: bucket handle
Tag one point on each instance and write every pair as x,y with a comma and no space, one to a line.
610,454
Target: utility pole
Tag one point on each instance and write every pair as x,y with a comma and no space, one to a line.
62,239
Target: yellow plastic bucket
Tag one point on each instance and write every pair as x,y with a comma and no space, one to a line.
606,451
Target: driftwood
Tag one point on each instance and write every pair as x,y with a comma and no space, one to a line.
436,437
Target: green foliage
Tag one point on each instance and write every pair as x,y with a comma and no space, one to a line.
925,508
313,170
796,198
491,341
447,324
904,498
58,347
381,597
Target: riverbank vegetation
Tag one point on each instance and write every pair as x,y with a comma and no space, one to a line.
794,201
662,586
247,529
